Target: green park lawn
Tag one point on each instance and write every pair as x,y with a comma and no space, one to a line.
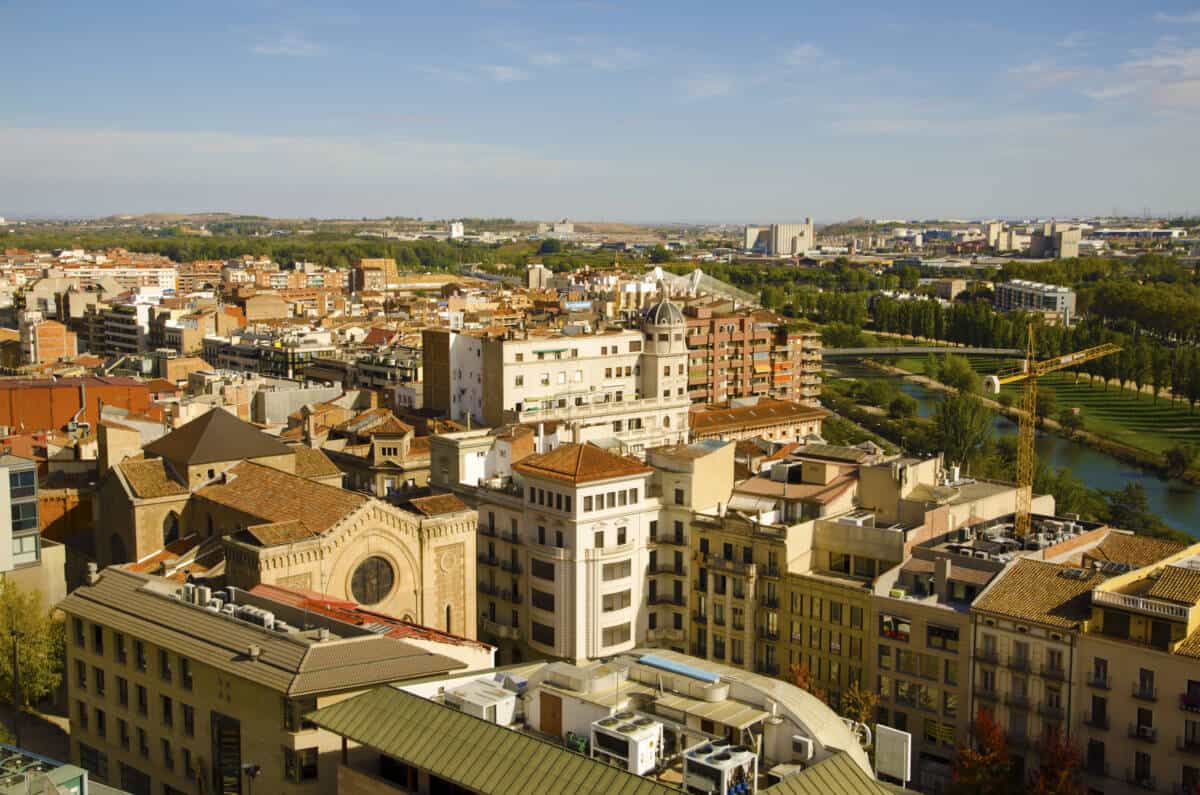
1121,415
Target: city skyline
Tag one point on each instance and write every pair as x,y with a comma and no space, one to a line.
601,110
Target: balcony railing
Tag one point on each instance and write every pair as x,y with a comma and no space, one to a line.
1188,745
768,634
662,634
721,564
667,567
1019,663
1189,702
1144,692
1155,607
1099,681
1096,721
986,694
988,655
672,540
700,618
1147,734
769,600
1051,711
511,566
498,630
1144,782
667,599
1017,700
1054,672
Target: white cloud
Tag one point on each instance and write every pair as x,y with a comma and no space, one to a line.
1045,73
803,54
613,59
504,74
708,87
291,45
1189,18
200,157
547,59
1076,39
1166,76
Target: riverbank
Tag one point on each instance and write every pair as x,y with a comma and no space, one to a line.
1128,454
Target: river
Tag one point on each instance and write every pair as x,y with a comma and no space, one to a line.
1177,503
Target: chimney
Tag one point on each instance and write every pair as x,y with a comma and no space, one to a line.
941,578
323,634
93,574
254,652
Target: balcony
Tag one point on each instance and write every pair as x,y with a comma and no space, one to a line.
1188,745
490,532
510,537
700,618
1139,604
1144,781
768,634
721,564
1096,721
769,570
497,630
1099,681
667,567
664,635
770,600
488,560
489,589
1147,734
986,694
1017,701
1189,702
1020,663
1054,672
1144,692
677,540
1050,711
667,599
511,566
988,655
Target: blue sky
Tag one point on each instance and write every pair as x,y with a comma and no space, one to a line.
600,109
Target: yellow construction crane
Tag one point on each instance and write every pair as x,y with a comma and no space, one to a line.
1030,372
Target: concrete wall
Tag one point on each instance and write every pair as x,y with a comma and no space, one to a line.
273,407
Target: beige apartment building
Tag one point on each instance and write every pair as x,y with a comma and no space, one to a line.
176,689
1137,722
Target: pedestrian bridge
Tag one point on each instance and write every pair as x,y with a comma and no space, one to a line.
917,350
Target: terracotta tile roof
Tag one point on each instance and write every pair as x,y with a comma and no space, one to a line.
275,496
1045,593
149,479
270,535
1137,551
312,463
437,504
581,463
351,613
1190,647
1177,584
764,413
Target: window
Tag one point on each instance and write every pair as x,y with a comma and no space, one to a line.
621,535
139,655
520,357
101,723
123,733
164,665
168,757
300,765
598,539
542,600
615,601
93,761
24,516
587,504
189,720
856,617
611,636
122,691
541,534
81,674
168,710
372,581
895,627
185,673
82,711
143,701
21,484
97,639
519,380
98,676
944,638
678,495
558,539
542,569
189,769
77,624
541,633
616,571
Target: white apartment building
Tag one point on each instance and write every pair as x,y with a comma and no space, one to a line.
623,387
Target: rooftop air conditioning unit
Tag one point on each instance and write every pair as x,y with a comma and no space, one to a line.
803,748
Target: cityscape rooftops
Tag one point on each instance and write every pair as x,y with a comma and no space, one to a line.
1040,592
215,436
581,463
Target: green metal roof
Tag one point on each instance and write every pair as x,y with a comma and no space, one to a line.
471,752
494,760
837,775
